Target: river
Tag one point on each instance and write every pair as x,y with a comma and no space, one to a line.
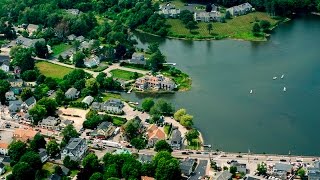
223,72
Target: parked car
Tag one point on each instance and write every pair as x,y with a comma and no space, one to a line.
283,160
198,152
184,152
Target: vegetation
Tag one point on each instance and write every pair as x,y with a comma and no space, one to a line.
52,70
184,118
181,79
162,145
125,75
147,104
59,48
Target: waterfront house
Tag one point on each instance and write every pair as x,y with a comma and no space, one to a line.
241,9
145,158
87,100
29,103
24,135
49,122
137,58
169,10
207,16
158,82
104,130
154,134
15,82
75,149
10,96
43,155
15,106
176,139
113,106
186,166
4,63
72,93
223,175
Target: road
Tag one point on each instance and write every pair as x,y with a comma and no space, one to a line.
200,170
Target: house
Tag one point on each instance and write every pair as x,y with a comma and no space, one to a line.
176,139
4,148
154,134
71,37
16,90
10,96
73,11
4,63
169,10
43,155
15,106
241,168
113,106
15,82
96,106
104,130
65,123
2,169
313,173
223,175
92,62
27,42
24,134
31,28
186,166
87,100
144,158
137,58
207,16
65,171
5,141
158,82
49,122
55,177
29,103
80,38
76,149
281,170
241,9
72,93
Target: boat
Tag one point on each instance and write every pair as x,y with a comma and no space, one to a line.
284,89
282,76
274,78
251,91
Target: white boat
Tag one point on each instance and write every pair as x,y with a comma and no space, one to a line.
282,76
284,89
274,78
251,91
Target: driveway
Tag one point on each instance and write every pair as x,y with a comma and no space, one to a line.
200,170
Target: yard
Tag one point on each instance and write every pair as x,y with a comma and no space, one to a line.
118,121
195,144
52,70
57,49
107,96
182,80
48,168
122,74
237,28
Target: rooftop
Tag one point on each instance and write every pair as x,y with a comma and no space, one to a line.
282,167
73,143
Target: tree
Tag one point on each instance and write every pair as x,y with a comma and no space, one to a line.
96,176
69,132
156,60
76,44
147,104
131,130
228,15
256,29
50,105
111,171
22,57
164,107
131,169
53,148
192,134
162,145
3,75
4,87
78,59
92,85
301,172
186,16
37,113
23,171
138,143
41,49
69,163
33,159
51,83
186,120
148,169
178,114
265,25
208,7
29,75
262,168
153,47
233,170
16,150
59,96
26,93
91,163
191,25
168,169
58,170
37,142
209,27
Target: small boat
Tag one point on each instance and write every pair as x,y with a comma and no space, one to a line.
282,76
251,91
284,89
274,78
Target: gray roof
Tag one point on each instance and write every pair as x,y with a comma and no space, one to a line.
137,55
88,100
65,170
283,167
144,158
55,177
176,135
5,60
1,165
73,143
186,165
96,105
51,121
42,153
224,175
71,91
113,102
15,80
317,164
104,125
248,177
30,101
14,104
27,42
67,122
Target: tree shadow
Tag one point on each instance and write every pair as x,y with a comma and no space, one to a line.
194,32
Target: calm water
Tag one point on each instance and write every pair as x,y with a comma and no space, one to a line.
223,73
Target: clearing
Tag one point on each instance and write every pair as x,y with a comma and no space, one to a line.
58,49
123,74
52,70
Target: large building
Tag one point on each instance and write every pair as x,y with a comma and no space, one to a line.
76,149
207,16
158,82
113,106
241,9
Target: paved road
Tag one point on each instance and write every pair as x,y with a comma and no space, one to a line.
200,170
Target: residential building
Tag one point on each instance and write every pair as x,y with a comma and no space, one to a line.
27,42
76,149
24,134
74,11
31,28
2,169
71,37
72,93
223,175
49,122
113,106
4,63
186,166
10,96
87,100
154,134
158,82
104,130
169,10
80,38
93,61
145,158
176,139
241,9
281,170
4,148
241,168
43,155
65,123
137,58
65,171
5,141
29,103
55,177
207,16
313,173
15,106
15,82
96,106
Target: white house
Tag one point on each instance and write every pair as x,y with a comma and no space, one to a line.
72,93
92,62
4,63
113,106
88,100
75,149
10,96
29,103
4,148
2,169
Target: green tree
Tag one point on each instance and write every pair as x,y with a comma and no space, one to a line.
96,176
91,163
233,170
208,7
29,75
156,60
3,75
111,171
16,150
51,83
191,25
78,59
262,168
59,96
58,170
50,105
26,93
164,107
92,85
265,25
301,172
186,120
209,27
138,143
256,29
22,57
192,134
69,163
37,113
37,142
41,49
162,145
33,159
4,87
22,171
76,44
147,104
148,169
178,114
69,132
168,169
131,130
131,169
52,148
153,48
186,16
228,15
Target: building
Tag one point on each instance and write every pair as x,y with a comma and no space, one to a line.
5,63
169,10
26,42
158,82
241,168
154,134
5,141
4,148
43,155
76,149
104,130
15,82
113,106
65,171
281,170
49,122
31,28
176,139
145,158
223,175
2,169
313,173
87,100
73,11
55,177
122,151
29,103
71,37
241,9
72,93
137,58
207,16
92,62
24,135
10,96
15,106
186,166
96,106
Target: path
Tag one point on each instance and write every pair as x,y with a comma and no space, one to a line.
117,66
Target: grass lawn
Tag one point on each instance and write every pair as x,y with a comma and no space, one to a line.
195,144
48,168
135,67
237,28
52,70
74,173
183,80
57,49
122,74
118,121
107,96
167,129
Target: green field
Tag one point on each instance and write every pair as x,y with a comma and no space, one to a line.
57,49
52,70
237,28
122,74
118,121
183,81
107,96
